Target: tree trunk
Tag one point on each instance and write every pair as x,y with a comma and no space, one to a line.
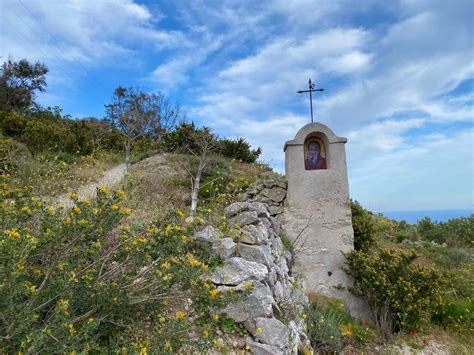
127,163
197,182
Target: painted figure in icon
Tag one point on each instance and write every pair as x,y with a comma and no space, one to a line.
314,160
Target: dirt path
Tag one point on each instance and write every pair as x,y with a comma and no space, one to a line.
111,177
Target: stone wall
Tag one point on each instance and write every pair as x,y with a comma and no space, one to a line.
255,258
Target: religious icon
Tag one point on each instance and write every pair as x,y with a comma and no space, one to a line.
314,154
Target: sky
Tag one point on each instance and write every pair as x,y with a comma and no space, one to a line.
398,77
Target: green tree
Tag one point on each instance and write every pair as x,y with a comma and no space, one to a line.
18,83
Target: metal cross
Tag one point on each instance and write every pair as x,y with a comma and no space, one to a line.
312,88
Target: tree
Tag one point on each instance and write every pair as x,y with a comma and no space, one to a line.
202,142
18,83
137,114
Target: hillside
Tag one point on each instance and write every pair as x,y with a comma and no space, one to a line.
62,299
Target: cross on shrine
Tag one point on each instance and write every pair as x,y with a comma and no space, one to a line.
312,88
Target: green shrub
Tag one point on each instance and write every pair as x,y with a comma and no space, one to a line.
80,280
238,149
364,230
455,232
181,138
330,327
455,313
400,293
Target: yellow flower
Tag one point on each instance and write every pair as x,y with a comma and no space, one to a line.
115,207
180,214
151,230
125,211
12,233
215,317
114,299
73,195
76,210
205,333
166,265
86,202
213,293
143,351
259,330
121,194
180,315
346,330
25,210
192,261
103,190
20,266
249,285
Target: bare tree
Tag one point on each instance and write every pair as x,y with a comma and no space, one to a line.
203,142
138,114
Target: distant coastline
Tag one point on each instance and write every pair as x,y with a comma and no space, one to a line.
435,215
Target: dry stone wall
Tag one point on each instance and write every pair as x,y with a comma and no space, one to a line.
255,258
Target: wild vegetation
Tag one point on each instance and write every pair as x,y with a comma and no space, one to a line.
121,273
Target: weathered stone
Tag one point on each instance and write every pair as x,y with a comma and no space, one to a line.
276,225
278,291
281,183
259,187
258,253
254,234
263,349
283,266
276,194
244,218
224,247
407,242
251,191
276,210
260,208
269,183
208,235
266,222
243,197
272,277
237,270
235,208
277,247
257,304
270,331
417,244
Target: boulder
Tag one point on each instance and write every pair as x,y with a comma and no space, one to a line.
257,304
269,331
260,208
258,253
224,247
243,219
237,270
262,349
208,235
254,234
276,194
235,208
276,210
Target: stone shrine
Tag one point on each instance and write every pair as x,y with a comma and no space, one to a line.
317,215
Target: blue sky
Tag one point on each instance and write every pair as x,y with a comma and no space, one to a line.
398,76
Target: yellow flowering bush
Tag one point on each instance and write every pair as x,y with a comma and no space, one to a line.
400,293
80,280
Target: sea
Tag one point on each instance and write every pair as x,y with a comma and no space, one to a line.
435,215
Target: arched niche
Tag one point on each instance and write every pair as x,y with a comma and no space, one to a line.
316,152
